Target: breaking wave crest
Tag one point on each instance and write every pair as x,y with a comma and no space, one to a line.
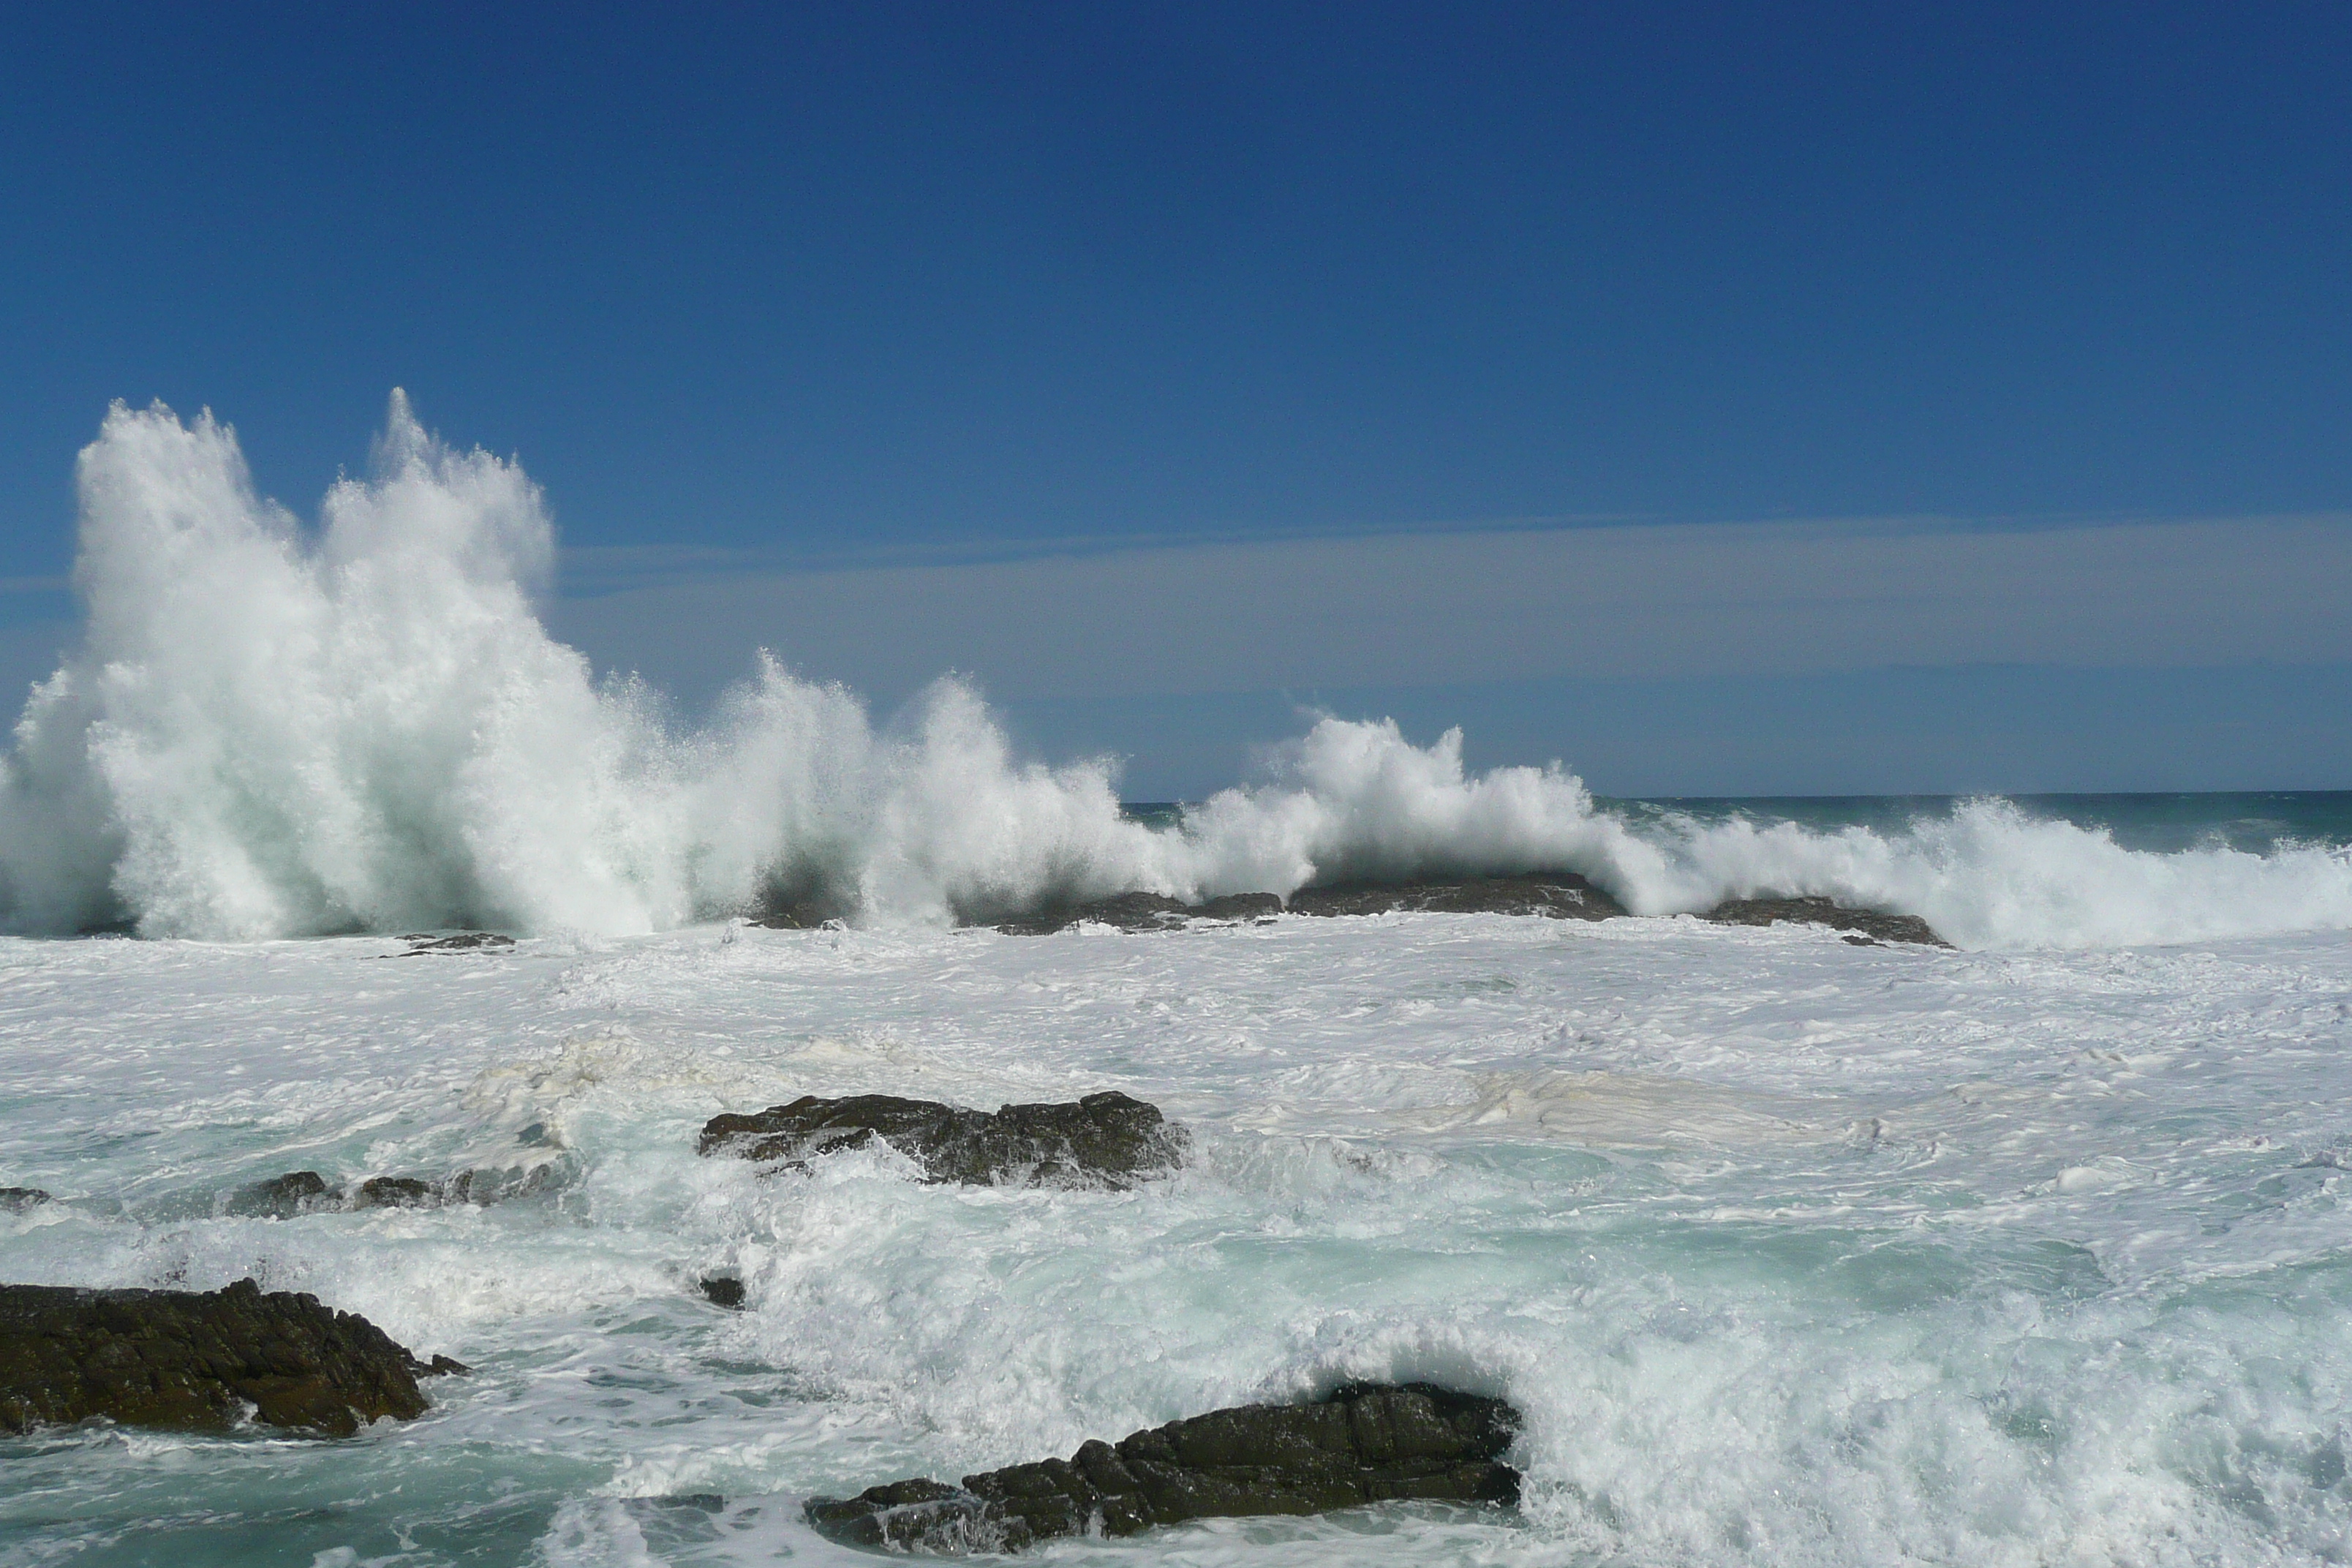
270,730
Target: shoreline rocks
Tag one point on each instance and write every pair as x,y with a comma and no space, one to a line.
1363,1443
1103,1140
1559,895
1556,895
1874,926
192,1361
1145,911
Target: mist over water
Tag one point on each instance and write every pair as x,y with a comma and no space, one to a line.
272,730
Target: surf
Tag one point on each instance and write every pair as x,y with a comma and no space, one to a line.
277,729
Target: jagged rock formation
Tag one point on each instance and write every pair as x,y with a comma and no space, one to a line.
1875,925
1145,911
306,1191
1363,1444
1103,1140
199,1360
1563,895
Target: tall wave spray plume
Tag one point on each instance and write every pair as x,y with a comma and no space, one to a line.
269,731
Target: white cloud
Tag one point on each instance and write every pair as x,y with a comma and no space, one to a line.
1658,601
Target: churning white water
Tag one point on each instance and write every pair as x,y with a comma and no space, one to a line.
1791,1252
274,731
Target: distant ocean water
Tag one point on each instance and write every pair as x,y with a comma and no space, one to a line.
2160,822
2251,822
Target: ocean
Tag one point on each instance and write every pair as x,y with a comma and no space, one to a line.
2032,1250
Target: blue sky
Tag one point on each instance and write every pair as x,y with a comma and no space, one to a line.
1025,304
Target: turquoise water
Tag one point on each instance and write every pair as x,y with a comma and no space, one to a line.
1791,1252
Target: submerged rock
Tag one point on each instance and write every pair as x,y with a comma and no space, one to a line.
464,942
1103,1140
199,1360
1145,911
1562,895
306,1191
394,1192
283,1197
1364,1443
16,1200
723,1290
1816,909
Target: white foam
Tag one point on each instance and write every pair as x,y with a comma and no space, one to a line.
269,731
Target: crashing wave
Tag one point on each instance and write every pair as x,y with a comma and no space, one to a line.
275,731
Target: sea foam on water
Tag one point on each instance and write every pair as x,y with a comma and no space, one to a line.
1789,1252
274,731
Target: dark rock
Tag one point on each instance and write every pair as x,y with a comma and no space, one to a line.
283,1197
1365,1443
805,916
197,1361
394,1192
1128,912
16,1200
1103,1140
1239,907
1144,912
1816,909
464,942
306,1191
1562,895
723,1290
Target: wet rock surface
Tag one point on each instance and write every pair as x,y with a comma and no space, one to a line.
1145,911
283,1197
1562,895
306,1192
16,1200
722,1291
1103,1140
1815,909
199,1360
464,942
1365,1443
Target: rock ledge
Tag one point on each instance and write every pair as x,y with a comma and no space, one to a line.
1364,1443
195,1361
1103,1140
1816,909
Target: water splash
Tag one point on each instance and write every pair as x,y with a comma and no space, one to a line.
274,731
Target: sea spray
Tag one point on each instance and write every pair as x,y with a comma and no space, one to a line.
274,731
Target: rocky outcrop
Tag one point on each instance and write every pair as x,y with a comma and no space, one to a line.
1562,895
722,1291
283,1197
1145,911
464,942
306,1191
199,1360
16,1200
1103,1140
1363,1444
1874,925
